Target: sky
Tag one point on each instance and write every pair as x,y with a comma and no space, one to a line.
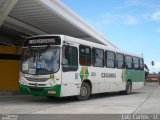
132,25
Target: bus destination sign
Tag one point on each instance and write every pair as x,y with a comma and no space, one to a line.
43,41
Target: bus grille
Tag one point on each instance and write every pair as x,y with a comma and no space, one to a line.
36,89
33,84
37,79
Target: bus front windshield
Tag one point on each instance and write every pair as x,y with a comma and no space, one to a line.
40,60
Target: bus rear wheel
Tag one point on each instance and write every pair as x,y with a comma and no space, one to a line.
128,89
85,92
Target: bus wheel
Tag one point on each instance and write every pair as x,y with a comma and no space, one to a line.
85,92
128,88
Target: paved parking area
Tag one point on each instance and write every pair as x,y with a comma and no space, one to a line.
145,100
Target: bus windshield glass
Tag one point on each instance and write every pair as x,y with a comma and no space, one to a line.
40,60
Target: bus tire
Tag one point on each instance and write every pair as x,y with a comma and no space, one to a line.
128,88
85,92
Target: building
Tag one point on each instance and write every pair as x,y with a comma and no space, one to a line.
153,77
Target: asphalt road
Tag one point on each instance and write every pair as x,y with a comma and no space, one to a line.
142,101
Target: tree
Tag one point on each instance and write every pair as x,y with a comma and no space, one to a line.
153,63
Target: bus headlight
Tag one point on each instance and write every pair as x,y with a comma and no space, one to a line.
21,74
52,83
22,81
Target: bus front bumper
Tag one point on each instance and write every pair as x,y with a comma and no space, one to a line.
41,91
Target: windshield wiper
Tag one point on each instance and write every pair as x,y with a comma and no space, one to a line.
44,50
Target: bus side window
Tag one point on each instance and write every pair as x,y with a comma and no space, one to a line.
141,64
110,59
136,63
70,58
120,60
97,57
128,62
85,55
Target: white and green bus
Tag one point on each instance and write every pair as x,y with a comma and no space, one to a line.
59,66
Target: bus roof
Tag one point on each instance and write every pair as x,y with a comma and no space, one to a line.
92,44
97,45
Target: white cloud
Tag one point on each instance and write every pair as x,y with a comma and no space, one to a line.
157,65
134,3
156,16
158,30
130,20
109,18
145,4
155,68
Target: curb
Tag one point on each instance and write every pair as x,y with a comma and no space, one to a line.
9,93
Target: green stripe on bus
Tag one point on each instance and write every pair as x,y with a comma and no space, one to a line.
41,91
133,75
